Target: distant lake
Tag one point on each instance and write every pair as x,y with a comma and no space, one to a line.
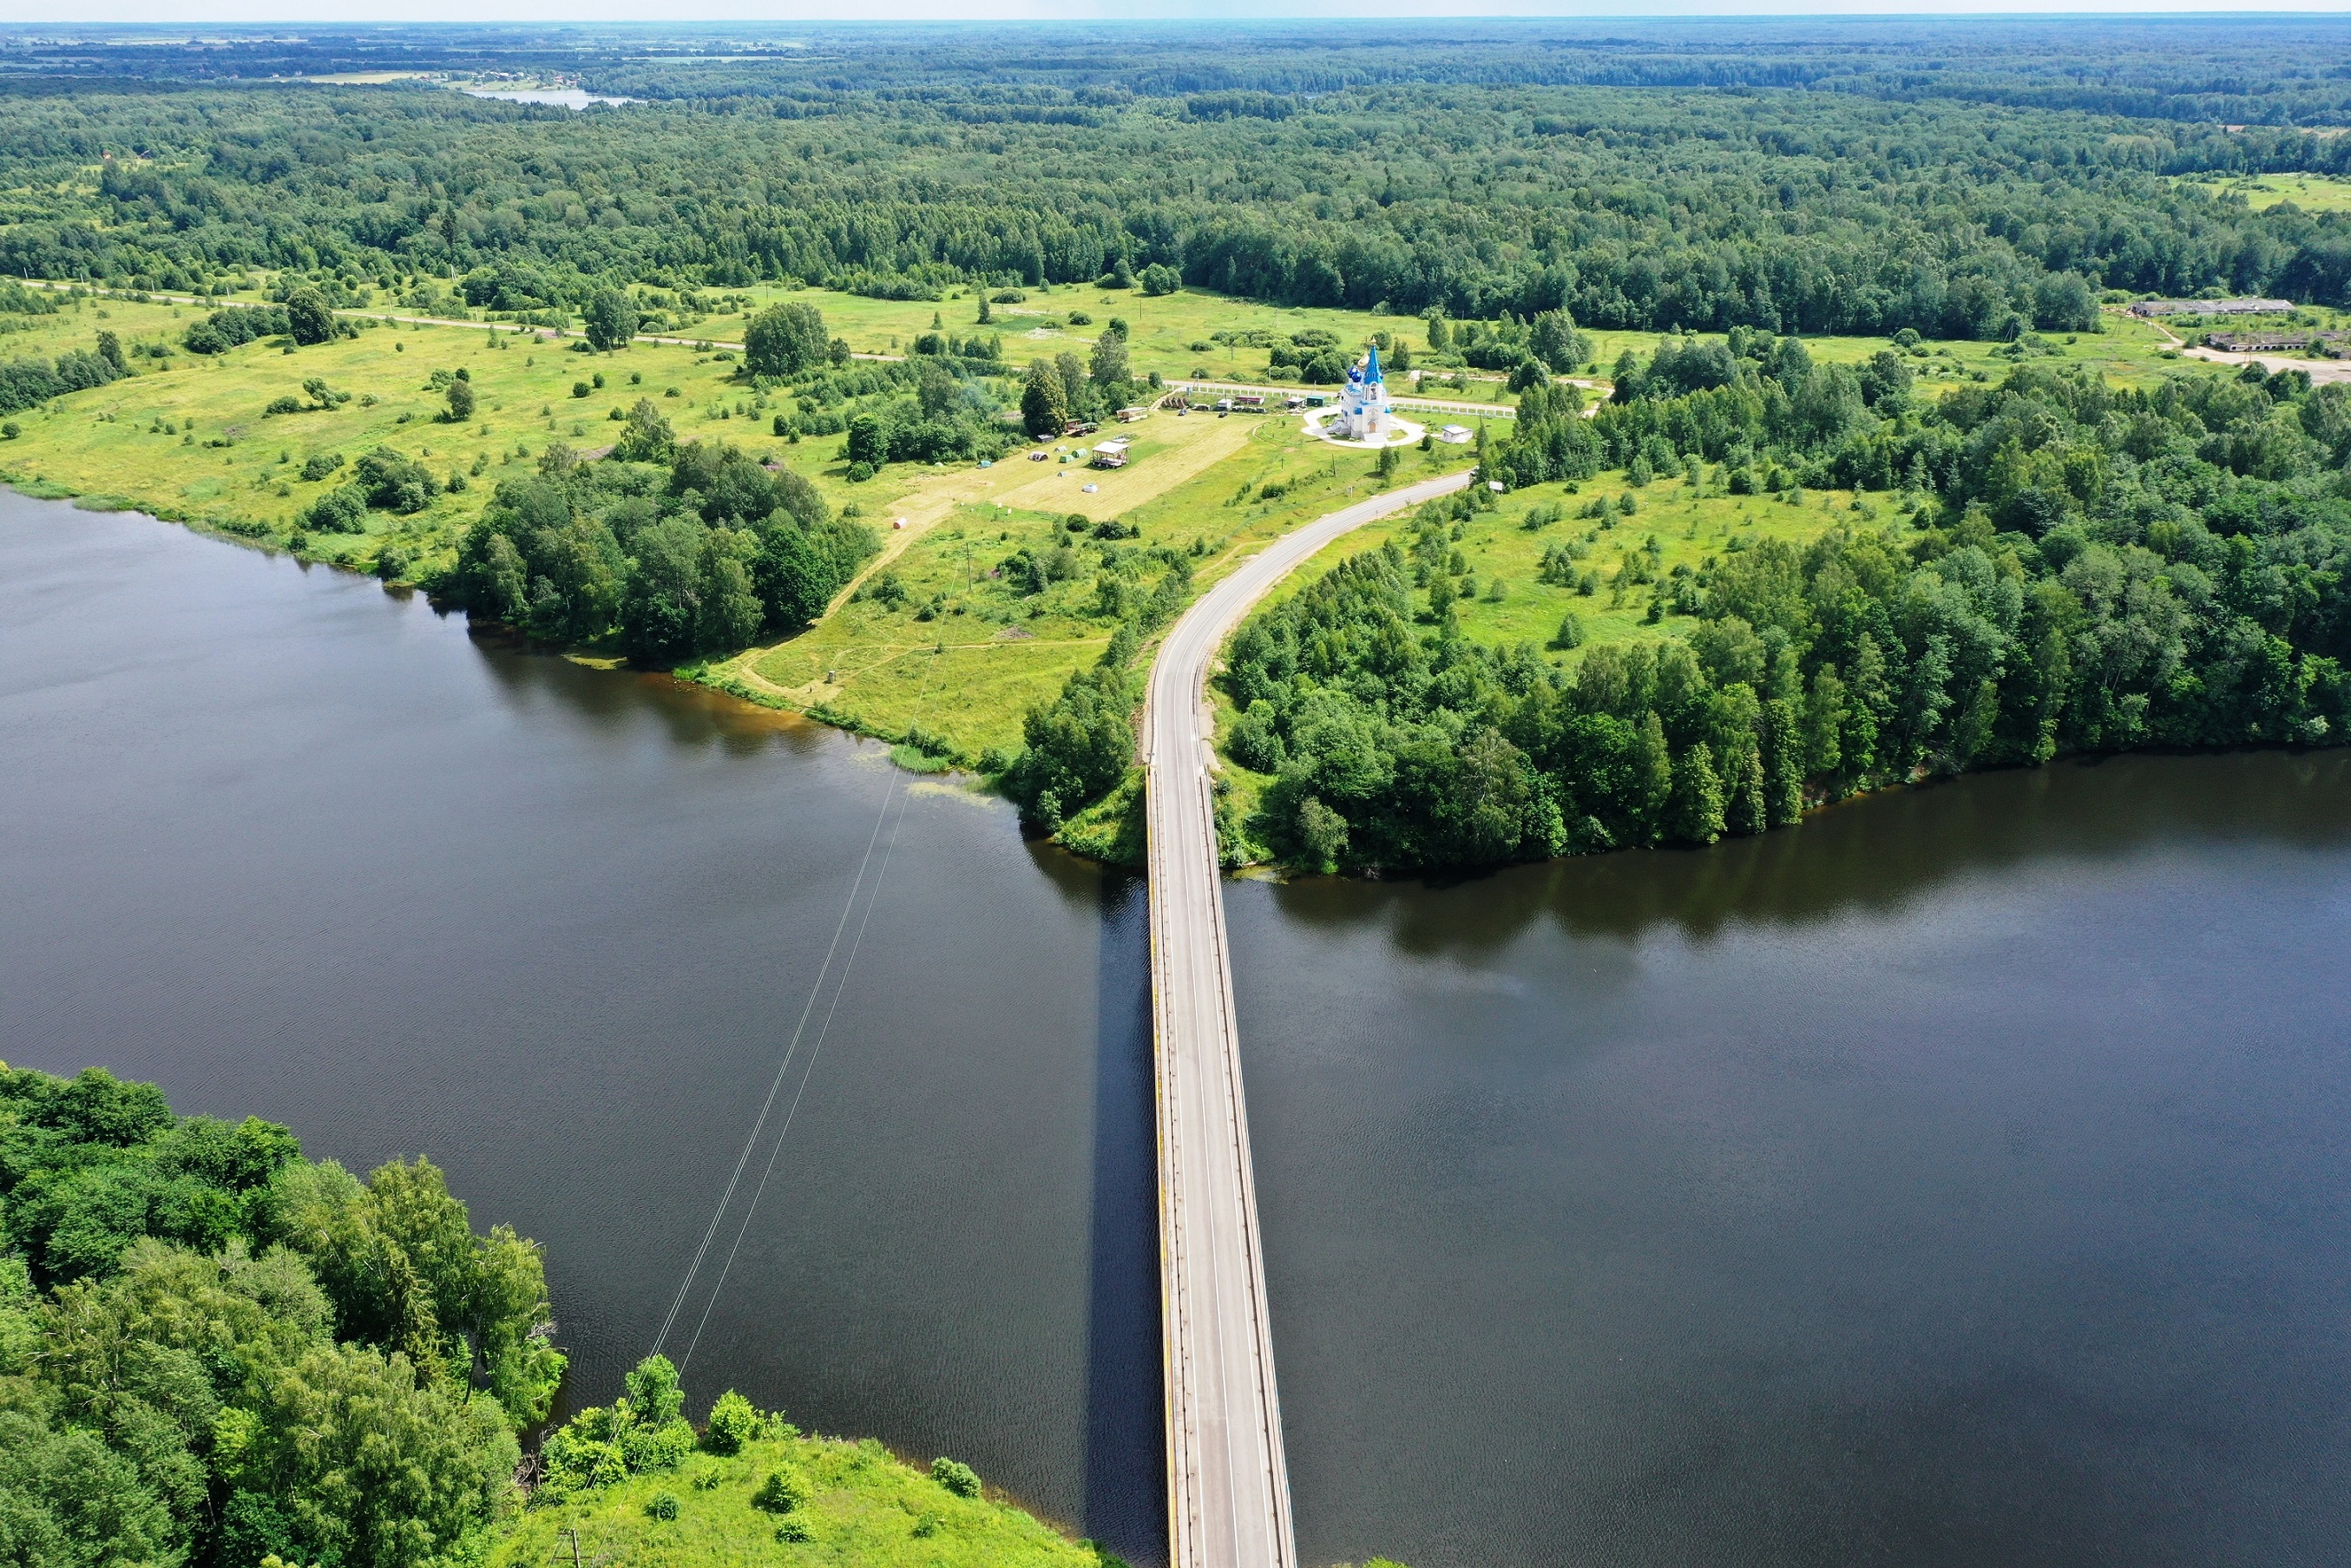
1963,1177
566,96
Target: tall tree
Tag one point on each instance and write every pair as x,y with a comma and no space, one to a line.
308,319
784,340
611,318
1044,399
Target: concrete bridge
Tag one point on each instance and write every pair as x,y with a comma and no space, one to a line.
1227,1483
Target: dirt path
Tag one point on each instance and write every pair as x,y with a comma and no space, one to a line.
2318,370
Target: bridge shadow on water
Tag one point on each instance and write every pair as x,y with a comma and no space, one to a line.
1127,1476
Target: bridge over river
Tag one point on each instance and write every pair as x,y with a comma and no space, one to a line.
1227,1484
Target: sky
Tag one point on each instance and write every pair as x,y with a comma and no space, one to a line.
184,13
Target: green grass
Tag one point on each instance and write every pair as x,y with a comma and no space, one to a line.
1161,329
986,654
186,437
2310,192
1513,605
869,1510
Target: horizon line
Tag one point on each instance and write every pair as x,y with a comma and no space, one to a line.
567,15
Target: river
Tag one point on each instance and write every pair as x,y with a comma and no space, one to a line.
1960,1177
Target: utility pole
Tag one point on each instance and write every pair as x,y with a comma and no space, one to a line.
577,1561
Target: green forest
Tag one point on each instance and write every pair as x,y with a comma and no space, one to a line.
2070,569
1767,189
215,1351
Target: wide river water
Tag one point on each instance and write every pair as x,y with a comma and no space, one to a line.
1963,1178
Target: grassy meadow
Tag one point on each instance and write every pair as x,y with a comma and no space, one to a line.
868,1510
2310,192
963,654
1174,335
187,436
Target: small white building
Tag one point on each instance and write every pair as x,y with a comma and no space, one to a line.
1457,434
1362,403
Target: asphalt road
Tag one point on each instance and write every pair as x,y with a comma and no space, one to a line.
1227,1484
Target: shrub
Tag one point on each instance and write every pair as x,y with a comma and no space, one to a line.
395,483
661,1448
733,1423
663,1505
781,1492
1571,631
956,1476
341,510
319,465
285,402
795,1530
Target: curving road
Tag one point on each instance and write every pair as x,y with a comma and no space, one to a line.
1228,1485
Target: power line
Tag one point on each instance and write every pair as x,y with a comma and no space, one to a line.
782,1067
891,794
872,898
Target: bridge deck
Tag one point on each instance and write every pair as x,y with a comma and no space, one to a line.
1227,1483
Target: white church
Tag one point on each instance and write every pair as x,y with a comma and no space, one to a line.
1362,403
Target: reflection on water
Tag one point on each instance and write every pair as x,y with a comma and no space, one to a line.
1960,1178
289,845
1877,854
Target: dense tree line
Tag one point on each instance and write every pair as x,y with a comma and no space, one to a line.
1657,206
670,550
2232,70
212,1349
28,382
2082,569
